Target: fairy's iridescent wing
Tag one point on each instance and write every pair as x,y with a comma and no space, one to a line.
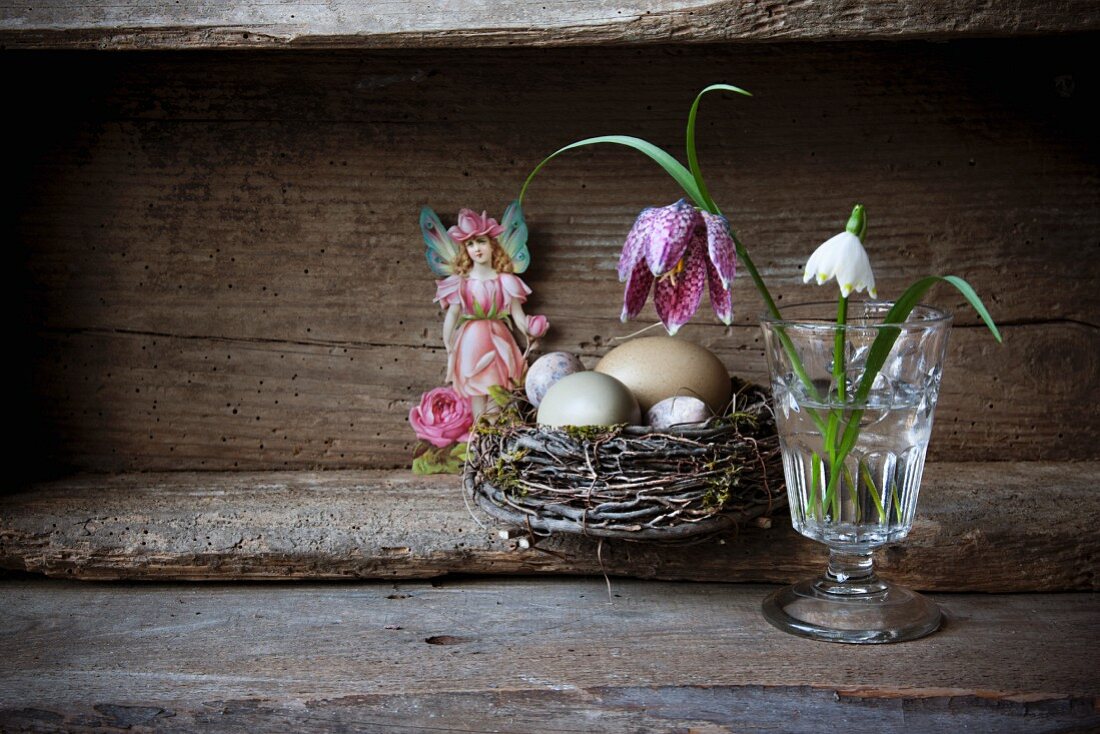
514,239
442,250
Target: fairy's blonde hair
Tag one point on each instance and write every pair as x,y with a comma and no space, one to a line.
500,261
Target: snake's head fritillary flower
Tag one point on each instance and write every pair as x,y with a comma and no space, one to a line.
683,251
843,257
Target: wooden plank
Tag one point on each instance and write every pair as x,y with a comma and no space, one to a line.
524,655
980,527
143,401
191,249
191,24
618,710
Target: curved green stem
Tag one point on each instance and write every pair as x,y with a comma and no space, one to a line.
839,370
784,340
743,255
693,157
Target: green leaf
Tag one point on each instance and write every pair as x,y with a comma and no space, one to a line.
873,489
884,342
815,468
693,159
908,301
671,166
900,311
459,451
437,461
499,395
975,303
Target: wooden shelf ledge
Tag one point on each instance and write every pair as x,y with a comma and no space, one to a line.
192,24
981,527
531,655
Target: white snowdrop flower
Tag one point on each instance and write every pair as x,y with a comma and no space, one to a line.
843,257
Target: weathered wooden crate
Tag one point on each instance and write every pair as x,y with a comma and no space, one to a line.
221,296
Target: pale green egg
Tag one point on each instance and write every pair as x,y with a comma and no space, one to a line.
588,399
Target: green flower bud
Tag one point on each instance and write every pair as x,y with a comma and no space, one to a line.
857,223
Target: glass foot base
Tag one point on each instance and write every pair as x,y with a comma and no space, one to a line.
888,614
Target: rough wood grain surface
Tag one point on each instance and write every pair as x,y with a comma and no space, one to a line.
222,268
524,656
194,24
980,527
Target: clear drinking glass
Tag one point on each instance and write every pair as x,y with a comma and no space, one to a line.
856,500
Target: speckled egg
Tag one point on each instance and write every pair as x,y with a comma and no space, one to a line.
588,399
677,411
659,367
547,370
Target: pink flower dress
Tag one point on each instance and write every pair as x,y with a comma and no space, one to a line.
485,352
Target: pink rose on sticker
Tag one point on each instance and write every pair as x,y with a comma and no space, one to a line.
471,225
537,326
442,418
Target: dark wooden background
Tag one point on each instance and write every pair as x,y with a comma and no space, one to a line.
218,267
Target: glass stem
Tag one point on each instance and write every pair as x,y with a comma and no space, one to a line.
851,568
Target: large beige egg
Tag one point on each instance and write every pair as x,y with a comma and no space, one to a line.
588,399
659,367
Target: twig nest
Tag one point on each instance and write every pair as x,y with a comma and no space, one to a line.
628,481
677,411
546,371
588,399
659,367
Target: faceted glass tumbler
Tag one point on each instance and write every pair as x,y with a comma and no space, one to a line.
853,455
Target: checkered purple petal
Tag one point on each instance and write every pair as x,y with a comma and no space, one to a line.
635,246
721,299
670,231
638,286
677,296
720,248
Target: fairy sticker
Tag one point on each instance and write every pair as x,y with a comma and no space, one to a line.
479,261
